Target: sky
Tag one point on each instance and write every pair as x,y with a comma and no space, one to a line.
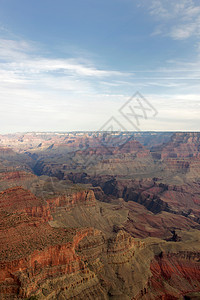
99,65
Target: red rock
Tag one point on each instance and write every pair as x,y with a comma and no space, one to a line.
72,200
19,200
179,270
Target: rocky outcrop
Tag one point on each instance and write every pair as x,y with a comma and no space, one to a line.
73,199
142,223
139,241
47,272
53,262
36,259
181,145
6,151
20,201
154,195
175,275
121,248
15,176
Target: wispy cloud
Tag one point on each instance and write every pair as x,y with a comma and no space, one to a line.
22,67
37,65
43,92
40,92
22,56
15,49
169,9
180,19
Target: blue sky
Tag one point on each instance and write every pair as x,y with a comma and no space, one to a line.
71,65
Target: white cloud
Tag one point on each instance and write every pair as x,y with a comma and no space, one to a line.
169,9
182,32
38,65
179,19
15,49
21,56
43,93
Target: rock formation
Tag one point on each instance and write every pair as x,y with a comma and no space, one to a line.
89,216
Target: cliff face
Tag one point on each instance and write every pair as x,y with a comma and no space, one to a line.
175,275
81,263
155,208
13,176
161,270
36,258
19,201
181,154
140,241
71,200
52,263
131,158
142,223
6,151
47,272
181,145
155,196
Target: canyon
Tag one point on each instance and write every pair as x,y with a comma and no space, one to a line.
98,215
